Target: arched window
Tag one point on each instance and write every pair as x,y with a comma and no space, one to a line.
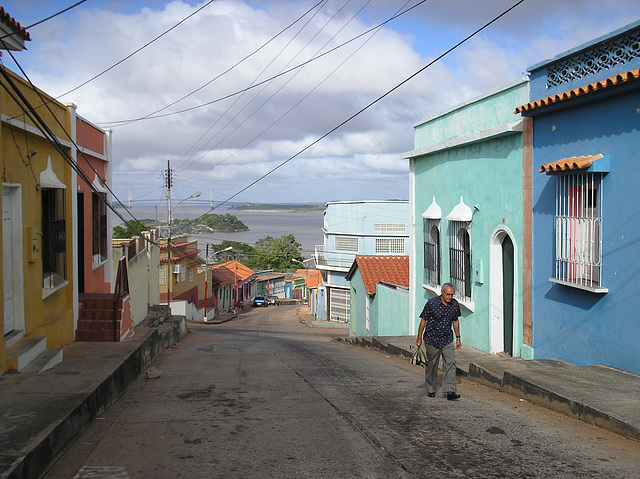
432,260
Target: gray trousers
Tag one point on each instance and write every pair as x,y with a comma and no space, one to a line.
448,354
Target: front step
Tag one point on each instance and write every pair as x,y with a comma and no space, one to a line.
46,360
33,352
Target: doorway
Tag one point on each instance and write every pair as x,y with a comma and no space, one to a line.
503,287
12,269
507,294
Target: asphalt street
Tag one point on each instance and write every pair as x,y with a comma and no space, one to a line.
266,396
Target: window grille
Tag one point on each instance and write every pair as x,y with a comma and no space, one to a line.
603,57
339,305
432,258
163,274
395,228
389,245
54,243
578,229
460,259
346,243
99,226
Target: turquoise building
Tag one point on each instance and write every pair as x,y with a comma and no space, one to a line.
466,208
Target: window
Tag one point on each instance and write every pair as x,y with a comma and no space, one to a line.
389,227
578,229
190,275
346,243
432,259
183,273
53,237
390,245
460,259
99,227
163,274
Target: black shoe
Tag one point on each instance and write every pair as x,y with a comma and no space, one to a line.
431,395
453,396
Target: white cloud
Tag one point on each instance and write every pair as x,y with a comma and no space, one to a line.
230,143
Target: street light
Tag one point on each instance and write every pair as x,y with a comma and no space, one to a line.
206,271
170,273
293,260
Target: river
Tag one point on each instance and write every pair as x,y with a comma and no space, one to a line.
306,227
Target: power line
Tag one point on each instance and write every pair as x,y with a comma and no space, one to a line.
239,97
137,50
45,19
297,103
117,123
150,115
362,110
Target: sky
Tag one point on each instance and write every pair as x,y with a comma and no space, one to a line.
203,99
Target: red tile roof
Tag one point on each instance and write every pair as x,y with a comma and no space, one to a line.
382,269
223,276
572,163
11,23
237,268
627,77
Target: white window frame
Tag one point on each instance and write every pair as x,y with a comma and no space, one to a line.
578,231
390,246
432,253
460,260
190,275
347,243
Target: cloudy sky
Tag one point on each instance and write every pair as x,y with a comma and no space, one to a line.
186,97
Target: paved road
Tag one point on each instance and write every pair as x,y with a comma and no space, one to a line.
265,396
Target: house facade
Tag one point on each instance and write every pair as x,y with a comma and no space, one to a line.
352,228
232,285
466,207
182,280
379,295
38,196
584,184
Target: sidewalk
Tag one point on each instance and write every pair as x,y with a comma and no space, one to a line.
42,414
599,395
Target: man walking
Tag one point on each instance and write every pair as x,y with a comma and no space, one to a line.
438,316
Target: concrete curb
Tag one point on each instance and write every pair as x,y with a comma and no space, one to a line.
34,459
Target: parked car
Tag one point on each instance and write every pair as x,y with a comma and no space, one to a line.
260,301
272,299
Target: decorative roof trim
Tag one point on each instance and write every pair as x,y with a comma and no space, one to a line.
580,91
433,212
48,178
460,212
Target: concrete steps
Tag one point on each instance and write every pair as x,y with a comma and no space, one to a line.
31,355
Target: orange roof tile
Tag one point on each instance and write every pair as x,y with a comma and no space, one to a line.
572,163
223,276
387,269
580,91
237,268
12,23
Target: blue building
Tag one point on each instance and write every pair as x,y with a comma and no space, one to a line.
585,181
356,228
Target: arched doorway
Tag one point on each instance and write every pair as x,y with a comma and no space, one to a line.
507,293
503,328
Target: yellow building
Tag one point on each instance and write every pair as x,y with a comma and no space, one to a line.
37,227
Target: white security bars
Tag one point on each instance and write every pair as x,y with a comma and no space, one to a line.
578,229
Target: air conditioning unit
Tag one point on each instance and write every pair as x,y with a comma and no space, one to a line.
177,268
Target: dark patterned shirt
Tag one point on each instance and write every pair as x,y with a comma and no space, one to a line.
438,319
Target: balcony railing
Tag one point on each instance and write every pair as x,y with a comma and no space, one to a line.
333,259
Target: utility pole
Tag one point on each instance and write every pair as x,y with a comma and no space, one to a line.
206,284
169,272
